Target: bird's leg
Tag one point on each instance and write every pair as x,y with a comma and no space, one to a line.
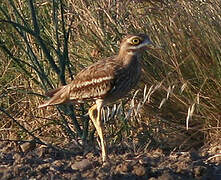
95,115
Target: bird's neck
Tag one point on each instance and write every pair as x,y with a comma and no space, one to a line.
128,58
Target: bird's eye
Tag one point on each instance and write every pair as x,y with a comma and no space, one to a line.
135,41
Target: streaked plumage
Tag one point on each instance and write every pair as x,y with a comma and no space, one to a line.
104,81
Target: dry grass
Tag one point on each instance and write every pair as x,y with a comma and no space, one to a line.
183,79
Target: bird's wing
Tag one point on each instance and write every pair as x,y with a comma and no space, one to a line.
93,82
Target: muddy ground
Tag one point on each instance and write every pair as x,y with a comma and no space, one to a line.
39,162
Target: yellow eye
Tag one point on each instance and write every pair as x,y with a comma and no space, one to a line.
135,41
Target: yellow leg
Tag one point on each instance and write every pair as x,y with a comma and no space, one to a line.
95,115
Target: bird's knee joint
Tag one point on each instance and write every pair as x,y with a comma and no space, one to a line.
93,113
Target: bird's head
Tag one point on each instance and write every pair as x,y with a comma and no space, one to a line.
133,44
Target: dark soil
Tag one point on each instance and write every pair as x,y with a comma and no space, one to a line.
38,162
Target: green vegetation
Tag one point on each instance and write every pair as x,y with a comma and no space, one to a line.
43,44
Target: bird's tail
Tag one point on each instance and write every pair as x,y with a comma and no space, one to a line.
58,96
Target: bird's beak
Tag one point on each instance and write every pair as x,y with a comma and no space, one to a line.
150,45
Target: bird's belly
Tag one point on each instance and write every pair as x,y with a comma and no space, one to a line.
122,88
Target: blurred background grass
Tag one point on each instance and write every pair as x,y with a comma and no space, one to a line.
44,44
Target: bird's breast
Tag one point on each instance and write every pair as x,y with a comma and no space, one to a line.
125,79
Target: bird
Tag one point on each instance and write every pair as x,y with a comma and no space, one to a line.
105,81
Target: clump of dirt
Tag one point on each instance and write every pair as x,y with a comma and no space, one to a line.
47,163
